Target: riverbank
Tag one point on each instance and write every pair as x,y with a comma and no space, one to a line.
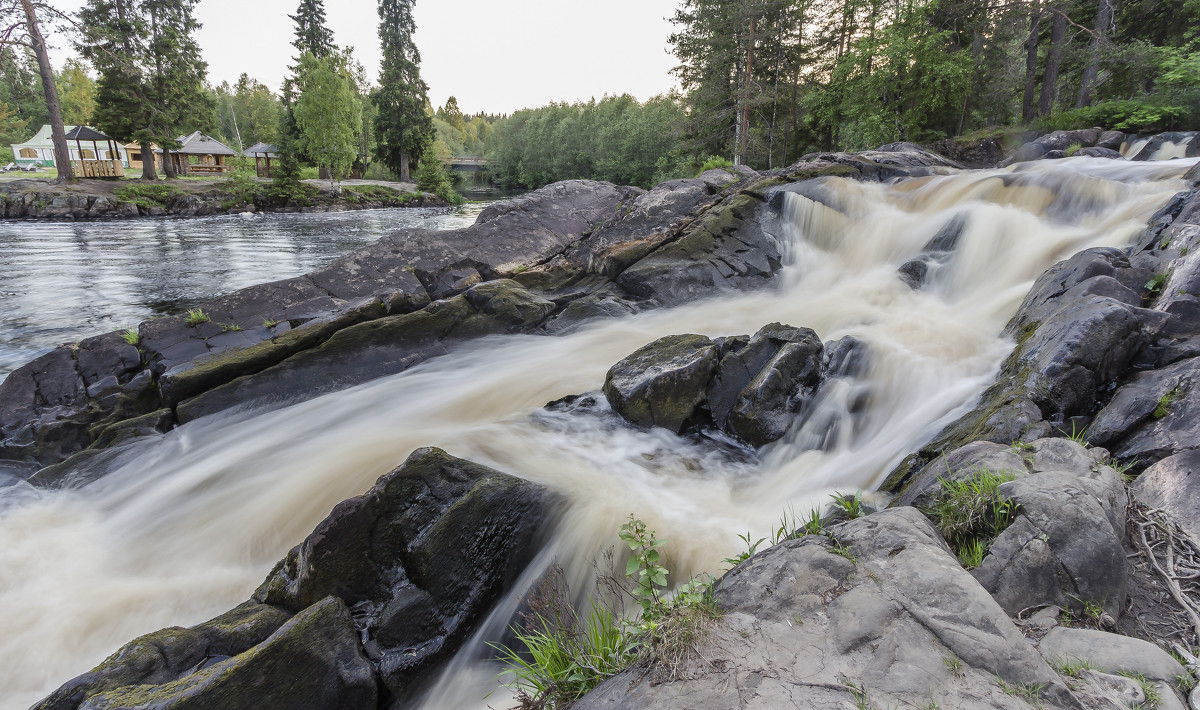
127,199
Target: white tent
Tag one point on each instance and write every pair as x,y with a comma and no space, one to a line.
39,150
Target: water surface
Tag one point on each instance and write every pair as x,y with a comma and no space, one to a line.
63,281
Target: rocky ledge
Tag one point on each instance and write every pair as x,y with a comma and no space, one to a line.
543,263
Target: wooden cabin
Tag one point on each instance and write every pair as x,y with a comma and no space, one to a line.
200,155
134,153
262,154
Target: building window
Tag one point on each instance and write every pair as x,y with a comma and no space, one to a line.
87,154
28,153
136,157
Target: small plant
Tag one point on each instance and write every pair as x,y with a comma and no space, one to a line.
839,549
851,505
520,269
1029,691
1156,282
1186,682
1073,149
1148,689
643,563
1166,242
196,316
1079,437
227,327
751,548
970,514
714,162
1163,408
791,527
1072,666
270,323
861,701
131,336
954,665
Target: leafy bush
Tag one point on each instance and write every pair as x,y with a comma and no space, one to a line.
714,162
432,176
147,195
241,187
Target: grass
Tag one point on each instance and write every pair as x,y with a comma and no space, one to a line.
195,317
1071,666
1156,282
1073,149
147,195
131,336
851,505
954,665
751,548
970,514
270,323
1163,408
1152,697
792,527
1079,437
1029,691
227,327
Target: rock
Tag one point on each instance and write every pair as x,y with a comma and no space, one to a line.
1153,415
421,558
895,620
1111,140
1173,486
312,661
934,254
166,656
1098,152
751,392
960,464
844,357
663,383
1110,653
1054,145
986,153
1189,146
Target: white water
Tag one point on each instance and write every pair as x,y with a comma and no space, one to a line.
190,524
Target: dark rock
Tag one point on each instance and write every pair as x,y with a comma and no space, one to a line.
589,308
1098,152
765,406
934,254
960,464
1158,141
663,383
1111,140
1054,145
979,154
1153,415
169,655
312,661
844,357
421,557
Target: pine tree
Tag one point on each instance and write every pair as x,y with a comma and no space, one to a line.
312,35
402,127
177,74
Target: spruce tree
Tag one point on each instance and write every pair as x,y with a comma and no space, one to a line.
177,74
312,35
402,127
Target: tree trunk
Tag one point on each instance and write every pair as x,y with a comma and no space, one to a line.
169,165
62,154
404,176
1104,14
148,171
1058,29
1031,57
744,133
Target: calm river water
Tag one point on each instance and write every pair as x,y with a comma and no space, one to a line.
63,281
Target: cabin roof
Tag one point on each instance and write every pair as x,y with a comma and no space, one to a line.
200,144
261,148
86,133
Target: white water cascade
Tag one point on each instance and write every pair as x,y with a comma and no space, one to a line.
187,525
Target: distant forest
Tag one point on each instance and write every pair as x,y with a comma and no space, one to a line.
766,81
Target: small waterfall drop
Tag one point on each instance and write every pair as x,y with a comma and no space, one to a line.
187,525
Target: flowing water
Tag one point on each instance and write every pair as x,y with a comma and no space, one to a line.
186,526
63,281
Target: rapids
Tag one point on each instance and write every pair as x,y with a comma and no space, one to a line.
186,525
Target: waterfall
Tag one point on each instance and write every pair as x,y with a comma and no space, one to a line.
186,525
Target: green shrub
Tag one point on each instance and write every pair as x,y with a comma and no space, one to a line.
433,177
196,316
1073,149
970,514
241,187
147,195
131,336
714,162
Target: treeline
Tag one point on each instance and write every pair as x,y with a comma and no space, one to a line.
768,80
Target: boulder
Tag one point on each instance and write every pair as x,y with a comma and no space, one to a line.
1055,145
1173,486
1110,653
1184,142
663,383
885,619
763,409
1098,152
1152,415
420,558
312,661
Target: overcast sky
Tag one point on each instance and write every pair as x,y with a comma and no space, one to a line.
493,55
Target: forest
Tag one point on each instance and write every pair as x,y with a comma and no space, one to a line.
761,83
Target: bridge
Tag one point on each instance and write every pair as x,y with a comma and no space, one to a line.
468,164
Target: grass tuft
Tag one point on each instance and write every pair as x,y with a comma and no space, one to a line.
970,514
195,317
131,336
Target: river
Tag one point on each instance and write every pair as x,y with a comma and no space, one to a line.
63,281
187,525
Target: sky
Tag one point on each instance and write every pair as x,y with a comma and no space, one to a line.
492,55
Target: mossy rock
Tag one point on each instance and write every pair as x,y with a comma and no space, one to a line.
663,383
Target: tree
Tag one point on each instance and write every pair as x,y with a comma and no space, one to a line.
247,109
312,36
77,92
24,29
177,74
402,128
328,115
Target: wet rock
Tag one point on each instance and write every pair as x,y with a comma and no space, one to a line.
844,357
421,557
1159,141
986,153
960,464
663,383
1098,152
312,661
934,254
764,407
1057,142
1153,415
1111,140
894,621
168,655
1173,486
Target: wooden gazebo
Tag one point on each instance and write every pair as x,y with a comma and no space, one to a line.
262,154
94,163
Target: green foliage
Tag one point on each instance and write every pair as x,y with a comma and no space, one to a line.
270,323
432,176
792,527
850,505
147,196
954,665
195,317
751,548
402,127
616,139
970,513
327,112
247,113
1073,149
1163,408
1156,283
242,185
644,564
1071,666
713,162
312,36
76,93
131,336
